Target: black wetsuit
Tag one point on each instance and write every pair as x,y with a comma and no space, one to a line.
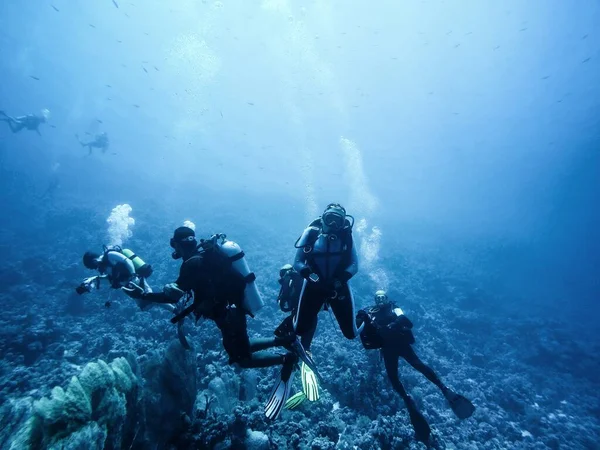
288,299
388,329
334,259
218,295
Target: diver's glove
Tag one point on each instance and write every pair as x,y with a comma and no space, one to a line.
362,317
305,272
82,289
134,291
87,284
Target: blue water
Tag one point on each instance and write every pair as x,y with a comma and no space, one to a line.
464,137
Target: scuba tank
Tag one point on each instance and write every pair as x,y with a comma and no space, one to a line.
141,268
252,300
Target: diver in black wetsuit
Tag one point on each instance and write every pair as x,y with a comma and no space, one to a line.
326,258
30,122
99,141
289,296
291,283
387,328
218,293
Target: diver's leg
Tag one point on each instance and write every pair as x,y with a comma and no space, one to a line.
258,344
15,125
343,309
307,338
391,367
411,357
309,305
286,327
418,421
233,328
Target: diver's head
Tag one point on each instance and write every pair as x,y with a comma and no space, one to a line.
91,260
45,114
333,218
381,297
183,243
284,270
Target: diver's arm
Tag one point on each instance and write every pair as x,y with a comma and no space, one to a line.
91,282
158,297
300,265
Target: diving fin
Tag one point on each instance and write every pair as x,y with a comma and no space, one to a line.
462,407
297,348
295,400
310,385
281,392
418,421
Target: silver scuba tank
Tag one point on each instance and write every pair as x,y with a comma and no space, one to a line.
252,299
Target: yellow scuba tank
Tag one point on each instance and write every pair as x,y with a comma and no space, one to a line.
141,268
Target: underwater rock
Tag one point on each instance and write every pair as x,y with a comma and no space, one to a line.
257,440
91,412
170,392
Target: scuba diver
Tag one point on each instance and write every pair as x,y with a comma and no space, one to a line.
30,121
119,268
98,141
215,279
387,328
326,258
289,296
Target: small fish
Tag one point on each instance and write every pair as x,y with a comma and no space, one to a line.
146,34
107,304
144,62
126,15
113,153
449,33
91,25
496,47
250,103
457,45
470,32
108,85
52,126
99,121
120,42
546,77
108,98
584,36
455,113
55,8
35,78
586,60
115,3
145,69
137,106
156,68
221,112
522,29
